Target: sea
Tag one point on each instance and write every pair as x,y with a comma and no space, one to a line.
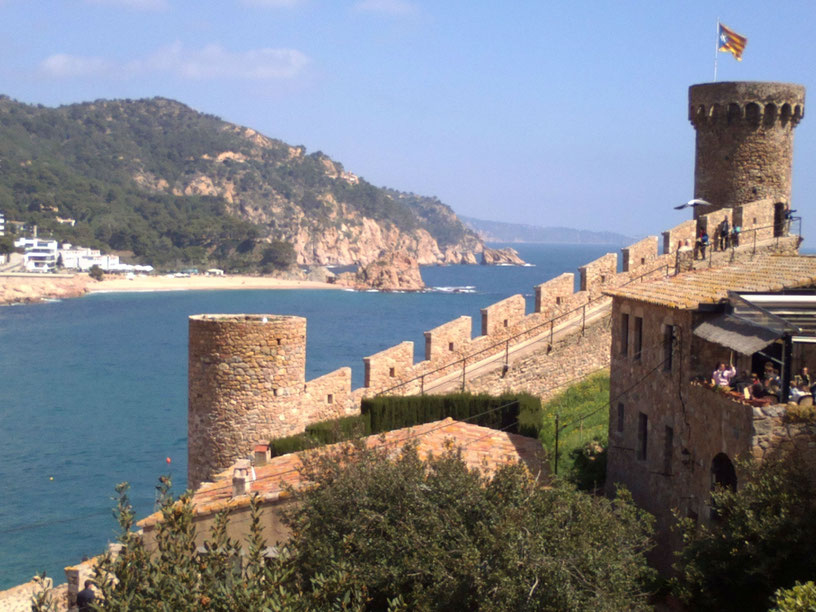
93,390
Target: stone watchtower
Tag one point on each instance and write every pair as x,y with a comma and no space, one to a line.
243,373
744,141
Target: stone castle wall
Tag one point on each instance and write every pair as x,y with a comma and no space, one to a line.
247,372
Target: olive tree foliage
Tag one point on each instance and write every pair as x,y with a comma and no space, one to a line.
799,598
380,531
443,537
763,539
179,576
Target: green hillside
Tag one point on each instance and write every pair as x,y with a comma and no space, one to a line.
172,185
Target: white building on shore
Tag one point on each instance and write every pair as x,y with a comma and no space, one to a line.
40,255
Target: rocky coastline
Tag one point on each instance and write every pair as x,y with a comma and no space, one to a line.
31,288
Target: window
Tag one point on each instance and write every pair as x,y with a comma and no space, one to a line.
638,337
450,346
668,443
620,418
624,334
392,372
330,399
668,347
506,322
642,439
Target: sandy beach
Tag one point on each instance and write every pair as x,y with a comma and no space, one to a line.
26,288
201,283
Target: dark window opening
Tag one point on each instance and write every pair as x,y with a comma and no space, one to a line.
668,347
506,322
278,339
558,301
450,346
624,334
638,337
275,392
668,444
330,399
643,435
392,372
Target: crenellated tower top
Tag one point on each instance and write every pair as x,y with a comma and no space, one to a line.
744,141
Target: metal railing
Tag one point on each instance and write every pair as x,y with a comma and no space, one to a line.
780,230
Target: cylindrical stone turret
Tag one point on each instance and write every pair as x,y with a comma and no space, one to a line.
246,373
744,141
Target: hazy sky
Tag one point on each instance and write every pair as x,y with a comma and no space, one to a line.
554,113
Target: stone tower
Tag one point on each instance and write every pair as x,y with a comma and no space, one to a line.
744,141
244,372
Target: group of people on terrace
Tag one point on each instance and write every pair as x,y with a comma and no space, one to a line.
724,236
769,386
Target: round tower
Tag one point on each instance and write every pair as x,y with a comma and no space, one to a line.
246,375
744,141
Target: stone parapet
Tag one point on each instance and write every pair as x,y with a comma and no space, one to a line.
674,238
389,367
596,274
552,293
499,317
639,254
328,394
448,340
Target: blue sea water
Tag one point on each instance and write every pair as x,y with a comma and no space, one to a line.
93,391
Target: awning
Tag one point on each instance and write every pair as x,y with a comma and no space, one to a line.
737,334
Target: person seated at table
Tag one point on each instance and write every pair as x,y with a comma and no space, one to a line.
771,385
741,381
756,389
798,392
803,377
722,376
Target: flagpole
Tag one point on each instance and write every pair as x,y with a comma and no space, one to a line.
716,48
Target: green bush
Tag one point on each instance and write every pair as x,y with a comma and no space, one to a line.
516,413
763,539
799,598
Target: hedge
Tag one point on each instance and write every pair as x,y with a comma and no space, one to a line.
515,413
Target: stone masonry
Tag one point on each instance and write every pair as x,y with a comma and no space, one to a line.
744,141
247,372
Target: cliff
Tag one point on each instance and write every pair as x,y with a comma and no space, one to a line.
178,188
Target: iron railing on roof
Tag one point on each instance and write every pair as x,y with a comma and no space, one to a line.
743,238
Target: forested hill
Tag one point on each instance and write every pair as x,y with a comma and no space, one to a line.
175,186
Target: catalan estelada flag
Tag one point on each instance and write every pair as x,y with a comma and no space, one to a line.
731,42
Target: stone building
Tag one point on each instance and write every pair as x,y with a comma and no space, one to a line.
672,435
481,448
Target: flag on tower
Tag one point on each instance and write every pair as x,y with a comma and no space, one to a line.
731,42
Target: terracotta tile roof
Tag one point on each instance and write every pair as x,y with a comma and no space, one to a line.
691,289
481,447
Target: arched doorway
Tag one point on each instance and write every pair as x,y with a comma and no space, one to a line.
723,472
723,475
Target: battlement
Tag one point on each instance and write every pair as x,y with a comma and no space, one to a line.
247,372
750,104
